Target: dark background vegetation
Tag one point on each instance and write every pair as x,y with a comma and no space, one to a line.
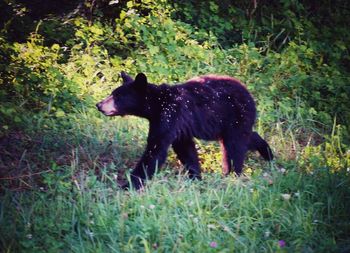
59,157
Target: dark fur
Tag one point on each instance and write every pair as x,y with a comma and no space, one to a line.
208,107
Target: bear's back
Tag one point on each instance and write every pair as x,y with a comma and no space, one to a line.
214,104
222,89
220,83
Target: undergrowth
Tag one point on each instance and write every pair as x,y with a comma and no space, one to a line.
64,195
61,162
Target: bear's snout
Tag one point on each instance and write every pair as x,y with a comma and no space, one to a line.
107,106
99,107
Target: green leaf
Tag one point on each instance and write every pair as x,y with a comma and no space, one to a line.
55,47
153,50
60,113
129,4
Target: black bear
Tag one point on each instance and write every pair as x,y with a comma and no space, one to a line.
209,107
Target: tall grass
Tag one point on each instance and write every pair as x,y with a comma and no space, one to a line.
176,215
74,204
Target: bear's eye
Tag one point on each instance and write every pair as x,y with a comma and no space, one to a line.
116,97
119,97
114,94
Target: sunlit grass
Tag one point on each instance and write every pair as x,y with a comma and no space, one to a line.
75,204
174,214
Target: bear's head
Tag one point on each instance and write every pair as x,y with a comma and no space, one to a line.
128,99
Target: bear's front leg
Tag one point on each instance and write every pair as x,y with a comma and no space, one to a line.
153,157
185,149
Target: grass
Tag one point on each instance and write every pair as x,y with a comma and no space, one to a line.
62,195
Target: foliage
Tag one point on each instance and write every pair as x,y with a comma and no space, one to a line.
57,75
61,162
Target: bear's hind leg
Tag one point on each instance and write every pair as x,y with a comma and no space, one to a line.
233,152
185,150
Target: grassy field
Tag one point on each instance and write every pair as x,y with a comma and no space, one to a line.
62,162
62,194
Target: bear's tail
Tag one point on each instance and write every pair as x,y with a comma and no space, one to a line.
257,143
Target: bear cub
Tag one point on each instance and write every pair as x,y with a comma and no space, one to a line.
209,107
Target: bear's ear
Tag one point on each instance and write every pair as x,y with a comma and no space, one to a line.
141,80
126,78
